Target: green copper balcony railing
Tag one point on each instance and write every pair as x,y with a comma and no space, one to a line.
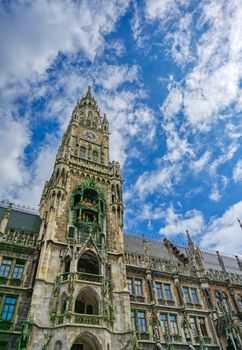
143,336
83,276
19,238
88,319
95,320
80,276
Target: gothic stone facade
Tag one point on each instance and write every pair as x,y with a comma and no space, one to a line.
93,287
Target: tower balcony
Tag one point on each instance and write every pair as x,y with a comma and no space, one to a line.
80,276
82,319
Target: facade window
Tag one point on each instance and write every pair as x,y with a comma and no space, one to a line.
5,267
138,320
18,271
135,286
142,321
8,308
164,323
218,299
194,296
225,302
173,323
83,152
202,325
167,289
138,288
186,295
193,326
95,156
240,301
129,284
159,291
133,320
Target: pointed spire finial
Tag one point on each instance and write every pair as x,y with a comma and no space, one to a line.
189,239
89,93
239,223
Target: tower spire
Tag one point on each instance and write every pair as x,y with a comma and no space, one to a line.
239,223
189,239
89,93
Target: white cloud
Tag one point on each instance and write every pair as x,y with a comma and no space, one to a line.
237,171
36,32
14,137
156,9
199,164
224,233
173,103
38,173
157,180
176,224
112,76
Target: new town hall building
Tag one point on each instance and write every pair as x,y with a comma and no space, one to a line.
70,279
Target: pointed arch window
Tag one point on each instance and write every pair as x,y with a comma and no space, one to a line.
58,345
95,156
87,302
83,152
225,302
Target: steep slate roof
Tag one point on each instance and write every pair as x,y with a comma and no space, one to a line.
22,220
134,244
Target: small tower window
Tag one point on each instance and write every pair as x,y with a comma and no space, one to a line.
83,152
95,156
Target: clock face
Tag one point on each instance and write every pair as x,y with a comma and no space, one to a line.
89,135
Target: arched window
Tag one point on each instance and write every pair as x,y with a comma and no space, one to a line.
118,192
95,156
86,342
58,345
67,264
225,302
88,122
63,304
88,263
71,232
218,299
240,301
83,152
87,302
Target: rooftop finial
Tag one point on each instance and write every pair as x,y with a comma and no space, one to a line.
89,93
189,239
239,223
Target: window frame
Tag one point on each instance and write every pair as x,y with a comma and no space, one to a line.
160,289
186,295
18,266
196,333
10,307
168,296
174,329
137,326
4,267
193,291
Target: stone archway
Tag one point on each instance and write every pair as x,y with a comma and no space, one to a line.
86,341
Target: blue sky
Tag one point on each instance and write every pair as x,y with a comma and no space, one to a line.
167,74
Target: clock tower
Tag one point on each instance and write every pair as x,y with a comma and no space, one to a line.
81,277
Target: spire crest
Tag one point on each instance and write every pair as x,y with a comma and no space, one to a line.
189,239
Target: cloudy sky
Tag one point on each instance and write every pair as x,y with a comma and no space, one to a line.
168,74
